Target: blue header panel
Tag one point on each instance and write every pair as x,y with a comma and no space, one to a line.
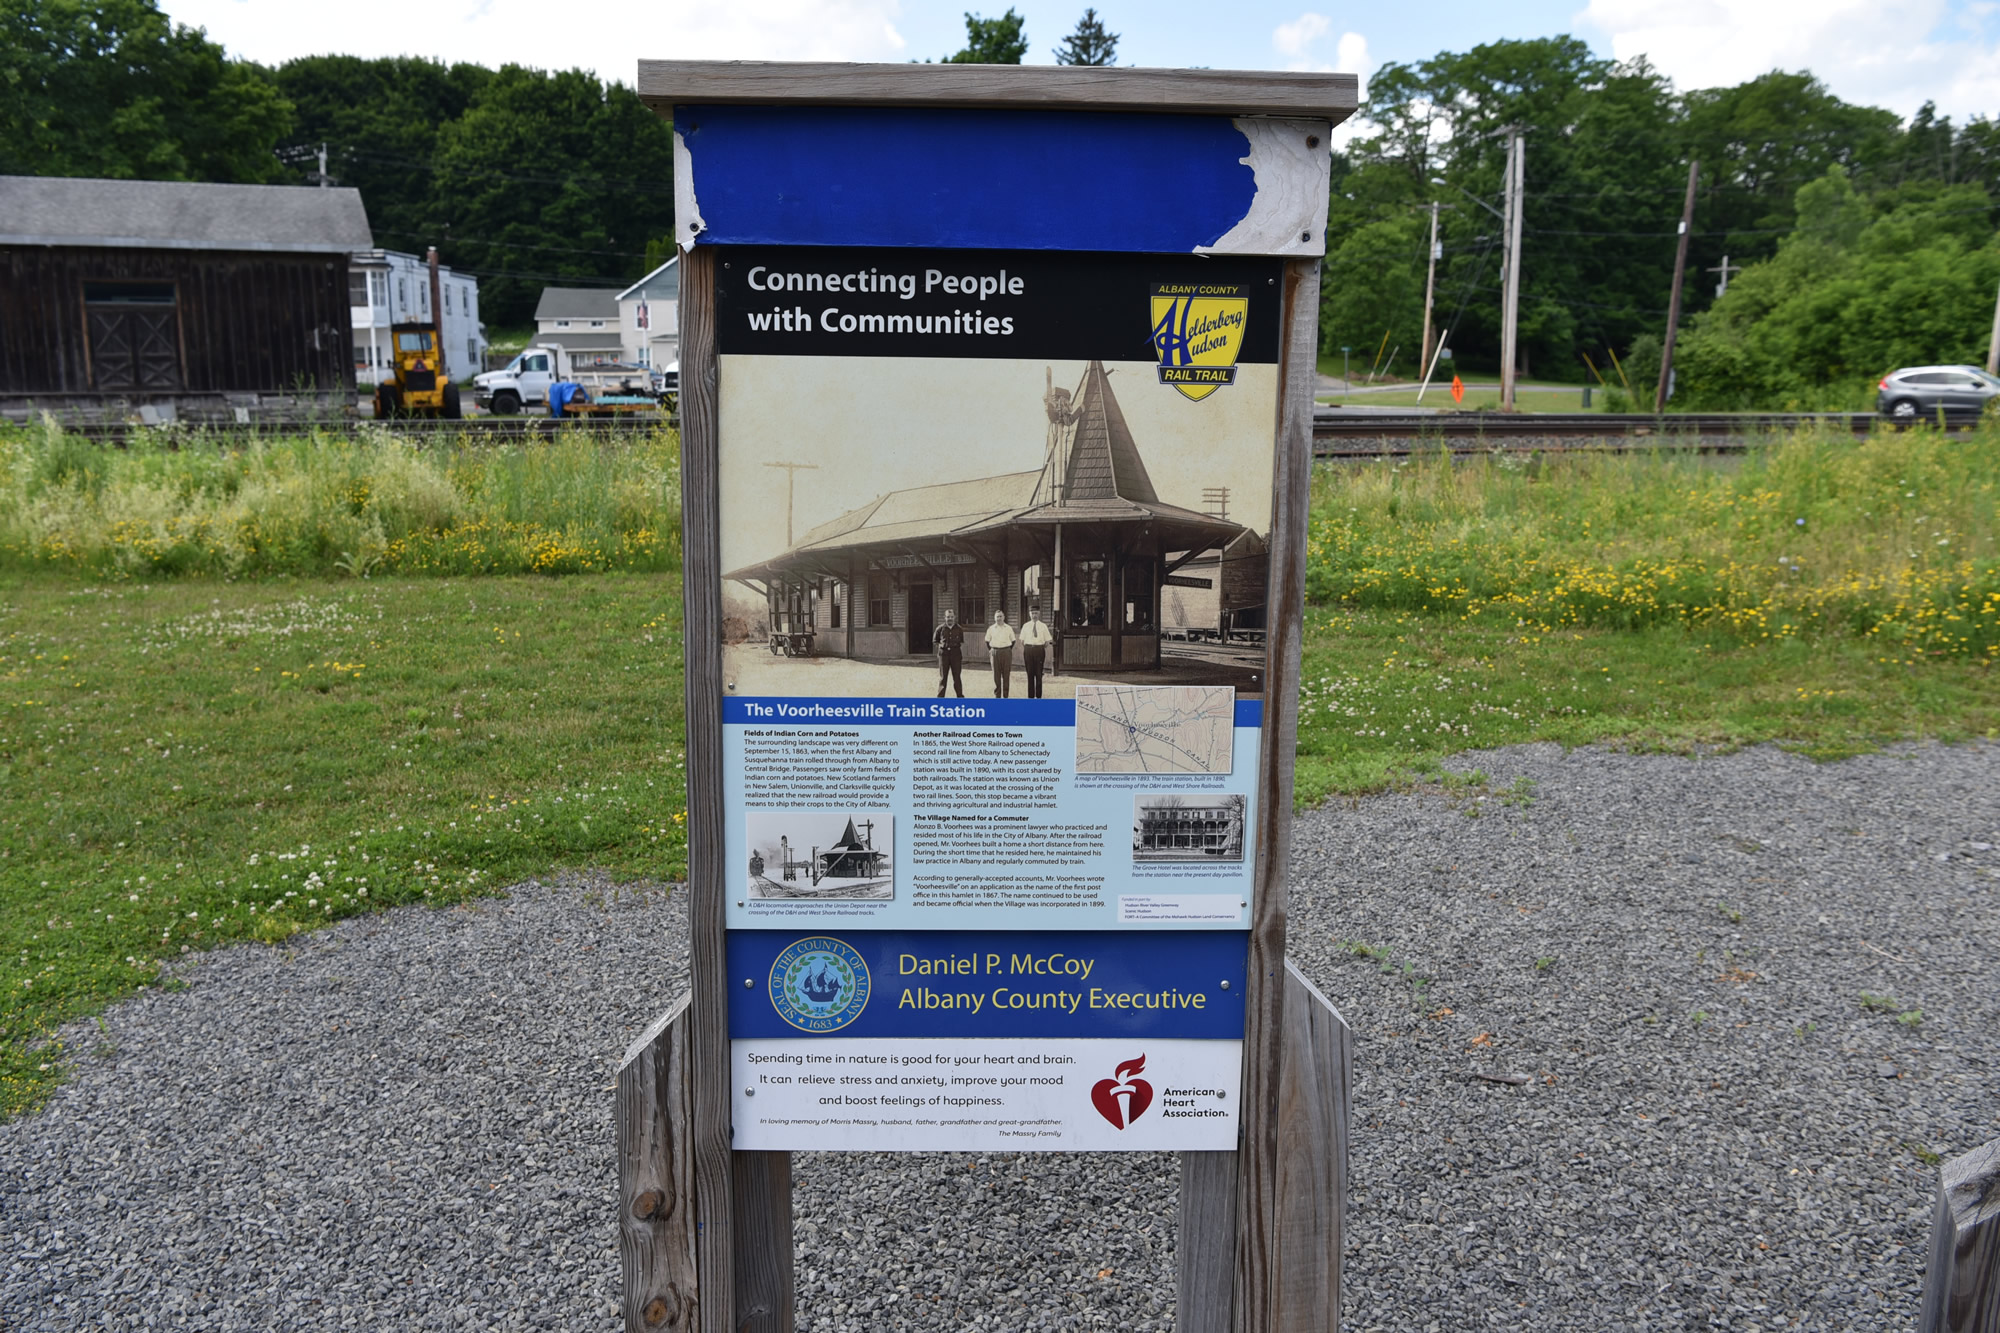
948,984
1027,180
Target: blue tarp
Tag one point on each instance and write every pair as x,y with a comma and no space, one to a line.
562,393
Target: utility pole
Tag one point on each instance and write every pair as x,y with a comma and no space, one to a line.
1993,344
1510,297
1674,300
437,308
323,179
792,471
1725,268
1430,286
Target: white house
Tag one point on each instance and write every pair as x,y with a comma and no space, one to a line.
388,287
584,320
649,317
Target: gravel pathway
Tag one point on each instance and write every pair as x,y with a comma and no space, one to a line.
404,1121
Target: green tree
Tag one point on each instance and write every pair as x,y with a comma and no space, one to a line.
992,41
551,178
1090,44
115,88
1862,285
381,120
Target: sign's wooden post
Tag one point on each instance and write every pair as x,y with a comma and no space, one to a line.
1962,1279
916,922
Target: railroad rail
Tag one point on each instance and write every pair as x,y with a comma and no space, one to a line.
483,429
1338,433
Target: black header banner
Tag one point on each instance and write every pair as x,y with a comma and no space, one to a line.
835,301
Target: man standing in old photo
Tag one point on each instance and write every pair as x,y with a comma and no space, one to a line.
948,641
1000,646
1035,641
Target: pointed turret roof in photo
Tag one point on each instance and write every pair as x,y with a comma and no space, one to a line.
1104,462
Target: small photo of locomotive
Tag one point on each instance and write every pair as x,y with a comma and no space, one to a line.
785,864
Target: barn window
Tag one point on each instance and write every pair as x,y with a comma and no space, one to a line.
134,335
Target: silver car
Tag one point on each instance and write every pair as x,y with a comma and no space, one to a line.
1921,393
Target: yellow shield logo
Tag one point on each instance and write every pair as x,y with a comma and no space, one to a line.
1198,334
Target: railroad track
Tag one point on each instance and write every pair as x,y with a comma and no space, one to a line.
1336,433
483,429
1342,434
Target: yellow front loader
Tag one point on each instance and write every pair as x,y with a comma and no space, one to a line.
419,386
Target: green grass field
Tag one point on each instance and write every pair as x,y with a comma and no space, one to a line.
194,757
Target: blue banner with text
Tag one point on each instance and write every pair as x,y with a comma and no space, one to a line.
956,984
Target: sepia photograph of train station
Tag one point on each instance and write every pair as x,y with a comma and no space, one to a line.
1140,551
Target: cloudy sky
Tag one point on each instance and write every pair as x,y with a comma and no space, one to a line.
1892,53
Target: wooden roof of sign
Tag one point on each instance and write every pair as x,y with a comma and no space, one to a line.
1223,92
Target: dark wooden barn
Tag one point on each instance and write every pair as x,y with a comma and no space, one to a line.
165,299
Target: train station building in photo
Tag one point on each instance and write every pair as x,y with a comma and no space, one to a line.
1085,538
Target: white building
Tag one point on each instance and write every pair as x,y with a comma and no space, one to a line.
649,317
387,287
584,320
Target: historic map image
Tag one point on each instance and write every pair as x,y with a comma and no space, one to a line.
1155,728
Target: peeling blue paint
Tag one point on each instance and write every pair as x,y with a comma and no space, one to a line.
1042,180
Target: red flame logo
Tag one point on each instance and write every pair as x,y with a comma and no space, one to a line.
1123,1099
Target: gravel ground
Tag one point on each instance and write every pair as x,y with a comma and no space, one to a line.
404,1121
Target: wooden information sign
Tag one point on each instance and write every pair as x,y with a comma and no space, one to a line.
996,436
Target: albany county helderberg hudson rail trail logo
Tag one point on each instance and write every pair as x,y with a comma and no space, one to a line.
1198,333
819,984
1123,1099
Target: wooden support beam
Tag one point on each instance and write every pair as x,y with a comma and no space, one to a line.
1205,1244
1259,1217
1312,1158
656,1202
763,1188
1314,1110
1962,1281
701,567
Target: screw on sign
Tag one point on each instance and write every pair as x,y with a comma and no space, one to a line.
1457,389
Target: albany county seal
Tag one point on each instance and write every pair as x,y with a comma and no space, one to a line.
1198,334
819,984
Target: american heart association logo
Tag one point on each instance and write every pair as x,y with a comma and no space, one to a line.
1123,1099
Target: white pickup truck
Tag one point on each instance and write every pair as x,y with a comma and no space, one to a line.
525,381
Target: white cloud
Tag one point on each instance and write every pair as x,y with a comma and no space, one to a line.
609,37
1293,38
1895,55
1299,41
1351,57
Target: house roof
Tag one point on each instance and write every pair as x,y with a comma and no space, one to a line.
662,284
181,215
577,303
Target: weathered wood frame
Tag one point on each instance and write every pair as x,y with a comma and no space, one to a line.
1261,1235
1962,1279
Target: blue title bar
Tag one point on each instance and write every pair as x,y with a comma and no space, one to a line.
864,983
785,711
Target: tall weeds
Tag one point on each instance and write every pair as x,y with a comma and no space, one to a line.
1892,537
326,503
